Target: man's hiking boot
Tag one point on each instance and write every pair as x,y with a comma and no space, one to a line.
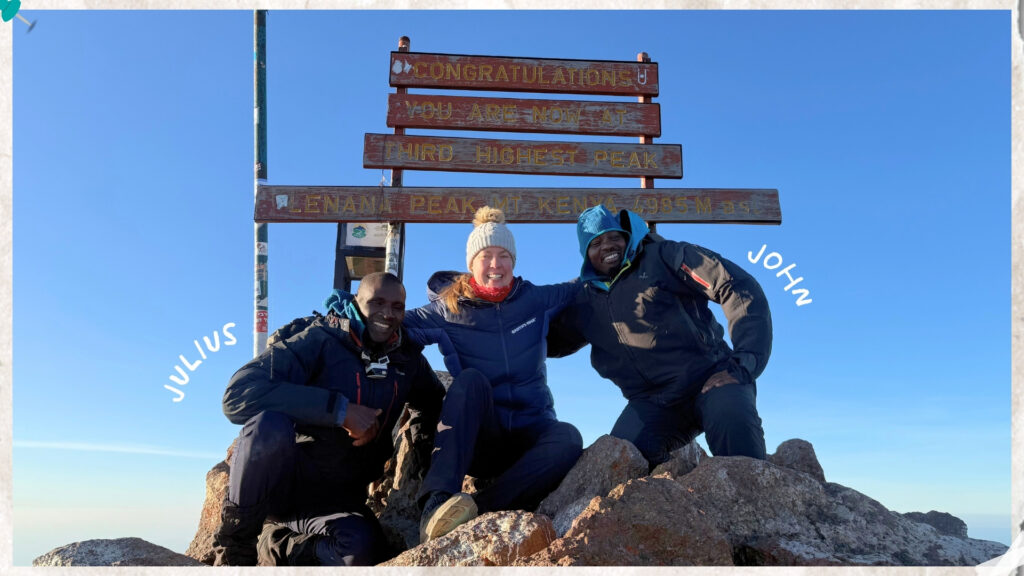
234,543
443,518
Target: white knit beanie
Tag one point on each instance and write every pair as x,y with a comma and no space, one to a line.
489,230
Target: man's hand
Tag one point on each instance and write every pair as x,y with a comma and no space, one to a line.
718,379
361,423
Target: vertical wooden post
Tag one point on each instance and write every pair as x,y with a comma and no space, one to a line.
260,135
646,181
395,244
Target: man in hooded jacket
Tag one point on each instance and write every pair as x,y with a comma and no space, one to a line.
644,310
318,407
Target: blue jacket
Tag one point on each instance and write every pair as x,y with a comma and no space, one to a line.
312,375
505,341
650,328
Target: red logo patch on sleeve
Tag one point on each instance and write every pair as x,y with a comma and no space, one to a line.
696,278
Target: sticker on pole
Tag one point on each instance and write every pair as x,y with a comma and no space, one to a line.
366,234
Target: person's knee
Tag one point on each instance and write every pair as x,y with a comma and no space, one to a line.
565,443
268,434
469,389
469,381
350,547
731,423
730,405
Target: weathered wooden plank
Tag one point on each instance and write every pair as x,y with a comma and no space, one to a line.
523,115
441,204
510,74
522,156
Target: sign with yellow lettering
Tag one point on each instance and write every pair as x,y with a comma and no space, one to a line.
524,115
422,70
522,156
434,204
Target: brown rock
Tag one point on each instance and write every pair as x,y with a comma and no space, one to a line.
117,552
201,547
607,463
494,539
644,522
798,455
682,461
393,497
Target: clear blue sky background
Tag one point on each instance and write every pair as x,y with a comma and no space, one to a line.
886,133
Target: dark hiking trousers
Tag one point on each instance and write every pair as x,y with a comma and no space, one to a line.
317,521
727,415
525,463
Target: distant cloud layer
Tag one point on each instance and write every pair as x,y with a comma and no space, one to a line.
86,447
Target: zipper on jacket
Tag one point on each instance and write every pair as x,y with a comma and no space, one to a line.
359,390
508,365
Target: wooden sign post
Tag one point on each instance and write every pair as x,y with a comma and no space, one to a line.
642,158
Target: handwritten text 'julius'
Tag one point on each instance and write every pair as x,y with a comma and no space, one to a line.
229,340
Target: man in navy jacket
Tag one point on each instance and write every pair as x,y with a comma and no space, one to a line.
644,310
318,407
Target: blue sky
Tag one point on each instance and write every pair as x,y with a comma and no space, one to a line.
887,135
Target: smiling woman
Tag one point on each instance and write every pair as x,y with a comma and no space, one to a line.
499,413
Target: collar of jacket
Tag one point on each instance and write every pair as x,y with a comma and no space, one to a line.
441,280
349,321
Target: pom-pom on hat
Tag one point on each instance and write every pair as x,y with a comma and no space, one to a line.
489,230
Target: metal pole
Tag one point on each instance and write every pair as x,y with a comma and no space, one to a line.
395,244
260,129
646,181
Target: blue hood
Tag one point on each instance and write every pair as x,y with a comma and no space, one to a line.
343,304
597,220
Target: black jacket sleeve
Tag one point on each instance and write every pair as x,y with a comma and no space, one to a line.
565,332
742,300
276,381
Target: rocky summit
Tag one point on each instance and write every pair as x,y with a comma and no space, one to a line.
693,510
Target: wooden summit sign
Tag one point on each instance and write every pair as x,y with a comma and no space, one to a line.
522,156
422,70
641,158
524,115
432,204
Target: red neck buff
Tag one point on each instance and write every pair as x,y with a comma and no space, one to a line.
490,294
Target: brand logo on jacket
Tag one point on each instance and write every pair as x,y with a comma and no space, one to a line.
524,325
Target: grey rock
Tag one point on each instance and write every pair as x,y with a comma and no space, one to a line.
681,461
777,516
945,523
118,552
798,455
604,465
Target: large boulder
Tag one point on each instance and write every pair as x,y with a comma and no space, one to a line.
117,552
604,465
644,522
493,539
201,547
777,516
393,497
